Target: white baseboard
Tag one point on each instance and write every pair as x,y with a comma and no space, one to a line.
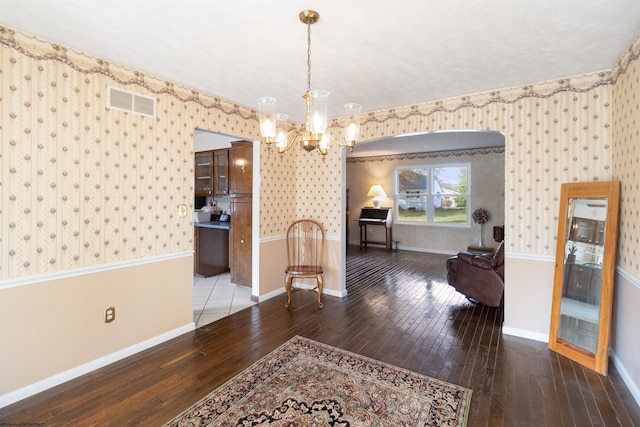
62,377
271,294
523,333
331,292
628,380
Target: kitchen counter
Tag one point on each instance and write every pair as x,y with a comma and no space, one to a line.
213,224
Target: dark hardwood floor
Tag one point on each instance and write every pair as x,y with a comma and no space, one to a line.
399,310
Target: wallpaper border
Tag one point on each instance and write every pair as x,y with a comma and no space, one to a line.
42,50
428,155
630,55
508,96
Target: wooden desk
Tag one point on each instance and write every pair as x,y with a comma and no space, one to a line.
379,217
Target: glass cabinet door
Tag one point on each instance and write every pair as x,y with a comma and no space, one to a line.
203,169
221,172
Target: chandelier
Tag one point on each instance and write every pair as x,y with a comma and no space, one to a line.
313,136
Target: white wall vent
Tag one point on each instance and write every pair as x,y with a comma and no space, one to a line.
120,99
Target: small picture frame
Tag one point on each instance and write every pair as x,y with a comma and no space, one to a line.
224,218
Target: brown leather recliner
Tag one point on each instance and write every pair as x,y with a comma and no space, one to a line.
479,277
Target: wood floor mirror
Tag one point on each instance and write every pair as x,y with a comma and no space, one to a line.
584,273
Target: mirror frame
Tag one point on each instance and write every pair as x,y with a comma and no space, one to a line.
611,191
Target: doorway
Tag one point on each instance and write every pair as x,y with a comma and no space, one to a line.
375,163
216,296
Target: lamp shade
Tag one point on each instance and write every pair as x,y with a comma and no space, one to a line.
267,117
376,191
352,129
281,131
317,113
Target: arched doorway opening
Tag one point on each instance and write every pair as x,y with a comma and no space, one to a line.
375,163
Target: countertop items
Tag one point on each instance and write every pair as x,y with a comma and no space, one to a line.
213,224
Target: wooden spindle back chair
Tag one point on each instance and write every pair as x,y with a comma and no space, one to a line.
305,247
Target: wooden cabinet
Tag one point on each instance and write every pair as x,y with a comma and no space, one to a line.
240,190
583,283
212,173
212,253
241,242
203,183
587,231
221,172
241,168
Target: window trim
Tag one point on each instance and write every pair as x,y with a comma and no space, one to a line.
429,195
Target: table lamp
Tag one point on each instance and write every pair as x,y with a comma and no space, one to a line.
377,193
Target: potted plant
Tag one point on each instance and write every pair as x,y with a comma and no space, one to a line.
571,256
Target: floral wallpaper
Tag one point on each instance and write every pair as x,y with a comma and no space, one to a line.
277,192
83,185
626,157
319,188
555,132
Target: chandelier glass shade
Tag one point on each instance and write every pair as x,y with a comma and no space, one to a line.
313,135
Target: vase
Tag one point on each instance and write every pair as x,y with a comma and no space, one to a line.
478,234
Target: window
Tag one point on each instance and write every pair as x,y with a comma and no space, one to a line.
436,194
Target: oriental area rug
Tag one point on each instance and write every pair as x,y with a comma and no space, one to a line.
306,383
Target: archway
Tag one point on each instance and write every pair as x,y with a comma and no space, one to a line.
374,162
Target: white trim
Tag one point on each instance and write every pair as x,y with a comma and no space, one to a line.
628,380
524,333
331,292
626,377
271,294
410,248
255,219
430,194
280,291
62,377
66,274
628,277
530,257
272,239
283,237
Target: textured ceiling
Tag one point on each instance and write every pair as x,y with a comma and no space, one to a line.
379,53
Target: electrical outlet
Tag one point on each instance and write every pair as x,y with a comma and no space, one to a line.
109,314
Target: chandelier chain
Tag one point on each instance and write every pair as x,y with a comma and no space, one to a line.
308,57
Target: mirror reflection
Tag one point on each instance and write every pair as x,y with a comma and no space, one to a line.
582,282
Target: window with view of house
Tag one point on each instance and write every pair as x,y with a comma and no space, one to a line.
435,194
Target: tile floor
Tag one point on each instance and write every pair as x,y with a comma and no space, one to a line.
216,297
